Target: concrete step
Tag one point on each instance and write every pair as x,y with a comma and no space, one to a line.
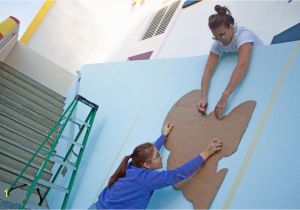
24,129
32,82
31,89
24,119
28,103
25,111
7,159
18,139
22,139
20,151
13,137
26,94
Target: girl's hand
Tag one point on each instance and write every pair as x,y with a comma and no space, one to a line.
202,105
219,109
214,146
167,129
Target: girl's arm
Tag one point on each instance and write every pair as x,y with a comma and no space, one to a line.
158,179
244,54
160,141
206,77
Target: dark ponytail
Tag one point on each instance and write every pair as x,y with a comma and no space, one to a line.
140,155
223,17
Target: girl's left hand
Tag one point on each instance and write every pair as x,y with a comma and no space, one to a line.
167,129
220,106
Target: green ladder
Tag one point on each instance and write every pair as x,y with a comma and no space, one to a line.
63,161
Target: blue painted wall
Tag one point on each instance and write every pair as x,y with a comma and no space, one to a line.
134,98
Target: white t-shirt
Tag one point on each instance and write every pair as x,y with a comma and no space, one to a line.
241,36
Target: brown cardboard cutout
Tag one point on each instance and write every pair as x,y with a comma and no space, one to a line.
190,136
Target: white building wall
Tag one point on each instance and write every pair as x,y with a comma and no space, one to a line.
39,68
4,51
290,16
79,32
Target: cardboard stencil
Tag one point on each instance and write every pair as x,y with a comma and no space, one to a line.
191,135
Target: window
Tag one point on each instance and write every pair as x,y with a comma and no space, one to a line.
142,56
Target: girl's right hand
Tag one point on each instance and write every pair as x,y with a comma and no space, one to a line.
202,105
167,129
214,146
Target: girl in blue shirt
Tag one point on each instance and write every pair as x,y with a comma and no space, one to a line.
133,183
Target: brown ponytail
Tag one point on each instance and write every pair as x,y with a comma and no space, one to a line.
120,172
140,155
223,17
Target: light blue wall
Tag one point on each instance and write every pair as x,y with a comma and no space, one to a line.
134,98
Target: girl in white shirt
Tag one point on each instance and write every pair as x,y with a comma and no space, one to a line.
228,38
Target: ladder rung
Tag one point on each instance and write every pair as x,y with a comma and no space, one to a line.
51,185
69,165
76,120
56,155
71,141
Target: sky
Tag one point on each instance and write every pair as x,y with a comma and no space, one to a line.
23,10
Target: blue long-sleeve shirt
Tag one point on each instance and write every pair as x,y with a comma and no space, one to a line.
135,189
